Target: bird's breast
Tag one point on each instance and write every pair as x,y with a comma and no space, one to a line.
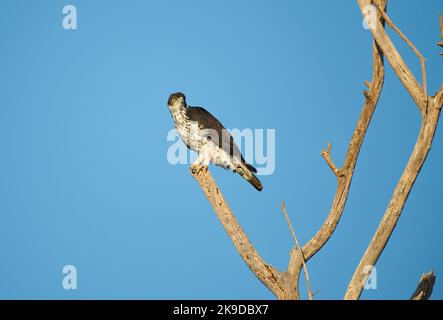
191,135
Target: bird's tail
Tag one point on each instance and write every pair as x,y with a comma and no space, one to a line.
246,173
250,167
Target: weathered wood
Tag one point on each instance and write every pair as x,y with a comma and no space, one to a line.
430,113
285,285
425,287
267,274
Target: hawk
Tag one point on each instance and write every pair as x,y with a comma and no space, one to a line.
206,135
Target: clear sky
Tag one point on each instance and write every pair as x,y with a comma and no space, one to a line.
84,176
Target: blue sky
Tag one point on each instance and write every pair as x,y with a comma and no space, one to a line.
84,178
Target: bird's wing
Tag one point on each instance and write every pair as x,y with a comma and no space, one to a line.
206,121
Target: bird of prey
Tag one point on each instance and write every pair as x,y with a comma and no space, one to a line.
204,134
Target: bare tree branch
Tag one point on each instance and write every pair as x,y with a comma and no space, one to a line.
285,285
430,117
347,171
441,31
401,70
267,274
409,43
367,84
297,244
396,204
438,98
326,154
425,287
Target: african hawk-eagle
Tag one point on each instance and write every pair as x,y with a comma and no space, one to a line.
203,133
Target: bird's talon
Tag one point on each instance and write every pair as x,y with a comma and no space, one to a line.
196,168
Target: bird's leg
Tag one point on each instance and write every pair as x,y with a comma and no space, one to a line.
201,162
198,163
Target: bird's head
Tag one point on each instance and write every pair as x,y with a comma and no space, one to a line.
177,100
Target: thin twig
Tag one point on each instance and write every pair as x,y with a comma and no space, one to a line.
297,244
326,154
410,44
401,70
441,31
367,83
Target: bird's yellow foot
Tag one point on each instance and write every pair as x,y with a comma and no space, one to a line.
196,168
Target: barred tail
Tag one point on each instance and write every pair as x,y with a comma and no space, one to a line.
255,182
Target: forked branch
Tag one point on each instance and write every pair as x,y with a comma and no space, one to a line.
266,273
326,154
430,116
285,284
347,171
401,70
410,44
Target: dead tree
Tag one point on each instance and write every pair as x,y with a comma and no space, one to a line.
285,284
